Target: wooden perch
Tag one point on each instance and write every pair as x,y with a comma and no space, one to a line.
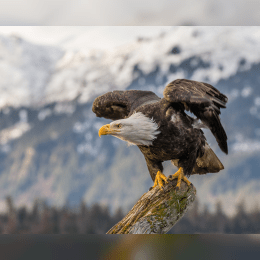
157,211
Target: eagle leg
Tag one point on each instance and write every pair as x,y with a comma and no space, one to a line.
159,180
180,176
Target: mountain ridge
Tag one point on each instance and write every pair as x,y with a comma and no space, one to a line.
49,142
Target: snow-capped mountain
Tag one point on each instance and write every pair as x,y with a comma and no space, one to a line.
48,133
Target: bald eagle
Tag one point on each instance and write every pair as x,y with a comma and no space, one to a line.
163,131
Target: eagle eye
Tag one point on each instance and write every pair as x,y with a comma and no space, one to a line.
119,125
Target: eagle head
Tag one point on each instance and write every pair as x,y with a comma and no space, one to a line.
137,129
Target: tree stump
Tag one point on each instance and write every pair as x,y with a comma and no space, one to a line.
157,211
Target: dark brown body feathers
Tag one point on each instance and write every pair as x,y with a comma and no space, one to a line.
178,140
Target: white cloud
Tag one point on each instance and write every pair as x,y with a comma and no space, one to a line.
119,12
257,101
246,91
234,94
83,37
13,132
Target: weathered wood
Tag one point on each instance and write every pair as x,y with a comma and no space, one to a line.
157,211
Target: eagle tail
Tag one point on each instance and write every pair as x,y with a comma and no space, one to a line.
208,163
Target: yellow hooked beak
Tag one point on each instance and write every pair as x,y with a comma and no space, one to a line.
105,130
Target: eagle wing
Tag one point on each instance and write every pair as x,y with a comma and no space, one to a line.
119,104
204,101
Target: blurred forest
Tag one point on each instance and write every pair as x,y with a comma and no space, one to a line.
97,219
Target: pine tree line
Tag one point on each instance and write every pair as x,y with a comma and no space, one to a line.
44,219
97,219
242,222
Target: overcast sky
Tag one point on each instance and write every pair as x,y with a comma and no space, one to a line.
83,37
135,12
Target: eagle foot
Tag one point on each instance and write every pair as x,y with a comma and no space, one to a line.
160,177
180,176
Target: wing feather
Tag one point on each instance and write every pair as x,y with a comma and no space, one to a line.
204,101
119,104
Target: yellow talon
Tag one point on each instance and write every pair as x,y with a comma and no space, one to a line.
180,176
158,180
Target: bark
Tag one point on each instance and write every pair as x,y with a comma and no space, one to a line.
157,211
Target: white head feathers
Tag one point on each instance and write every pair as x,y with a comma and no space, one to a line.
138,129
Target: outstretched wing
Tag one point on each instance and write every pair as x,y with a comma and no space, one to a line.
204,101
119,104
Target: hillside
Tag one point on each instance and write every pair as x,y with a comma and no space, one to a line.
48,133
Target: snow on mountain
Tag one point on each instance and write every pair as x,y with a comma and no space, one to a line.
49,133
25,69
38,75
